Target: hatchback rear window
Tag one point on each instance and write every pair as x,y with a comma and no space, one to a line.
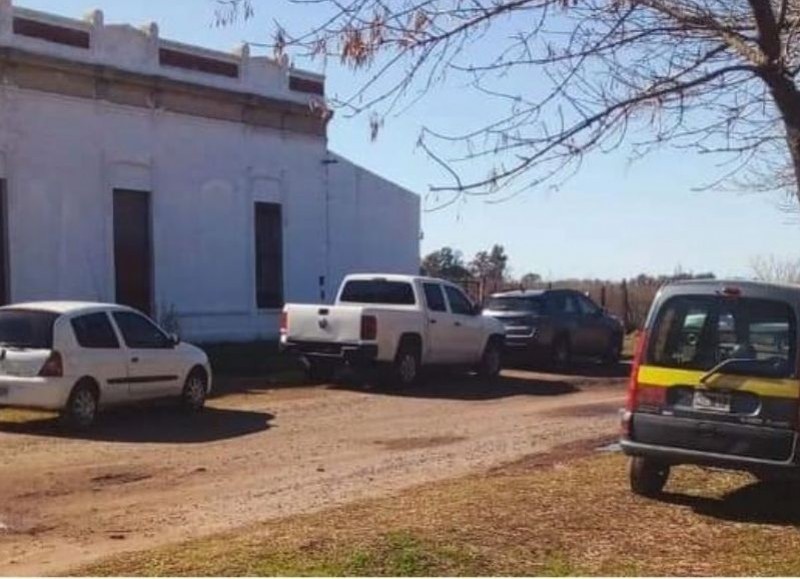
27,329
700,332
378,291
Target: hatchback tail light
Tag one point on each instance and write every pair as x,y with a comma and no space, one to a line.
369,327
53,366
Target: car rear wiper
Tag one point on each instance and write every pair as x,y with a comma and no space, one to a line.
724,364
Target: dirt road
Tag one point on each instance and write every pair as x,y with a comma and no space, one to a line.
145,477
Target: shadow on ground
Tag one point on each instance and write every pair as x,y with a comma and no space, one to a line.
772,503
156,425
585,368
463,387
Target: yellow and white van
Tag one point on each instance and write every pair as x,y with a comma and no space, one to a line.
714,382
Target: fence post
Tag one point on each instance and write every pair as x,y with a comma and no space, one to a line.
625,306
603,295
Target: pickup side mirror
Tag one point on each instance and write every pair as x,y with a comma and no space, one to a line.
477,309
174,339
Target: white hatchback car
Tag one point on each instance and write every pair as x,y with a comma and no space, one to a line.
78,357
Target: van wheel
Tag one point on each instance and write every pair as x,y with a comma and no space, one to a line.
81,410
406,365
648,476
492,361
193,397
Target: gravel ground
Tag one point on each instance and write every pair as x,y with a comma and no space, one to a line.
146,477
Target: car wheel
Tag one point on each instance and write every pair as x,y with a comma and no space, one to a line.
614,352
194,392
492,361
648,476
82,406
562,353
406,366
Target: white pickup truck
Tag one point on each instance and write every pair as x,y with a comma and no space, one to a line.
397,322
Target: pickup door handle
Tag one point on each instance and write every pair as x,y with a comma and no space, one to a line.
432,321
134,360
458,324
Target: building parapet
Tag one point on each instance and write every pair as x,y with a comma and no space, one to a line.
141,50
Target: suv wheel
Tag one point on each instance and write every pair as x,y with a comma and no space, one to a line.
562,353
492,361
614,352
648,476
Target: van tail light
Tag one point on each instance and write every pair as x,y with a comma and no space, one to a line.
284,323
633,384
369,327
53,366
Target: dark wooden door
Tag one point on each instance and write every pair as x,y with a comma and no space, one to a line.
133,257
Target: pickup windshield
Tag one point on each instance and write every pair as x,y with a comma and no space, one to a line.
702,332
26,329
378,291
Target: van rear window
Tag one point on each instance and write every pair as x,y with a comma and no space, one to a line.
26,329
378,291
700,332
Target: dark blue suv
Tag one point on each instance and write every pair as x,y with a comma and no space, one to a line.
555,325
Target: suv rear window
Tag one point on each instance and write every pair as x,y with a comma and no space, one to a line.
700,332
27,329
378,291
516,304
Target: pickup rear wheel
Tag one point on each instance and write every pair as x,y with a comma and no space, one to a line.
320,370
406,366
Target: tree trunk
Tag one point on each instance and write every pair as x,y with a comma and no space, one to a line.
787,99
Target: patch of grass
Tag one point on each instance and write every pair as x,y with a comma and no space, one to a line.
568,515
19,416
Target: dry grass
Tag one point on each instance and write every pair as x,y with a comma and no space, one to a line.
20,415
567,513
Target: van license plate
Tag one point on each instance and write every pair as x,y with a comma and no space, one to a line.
711,401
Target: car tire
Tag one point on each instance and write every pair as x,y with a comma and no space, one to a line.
492,361
613,355
406,367
195,390
561,357
82,407
647,476
320,371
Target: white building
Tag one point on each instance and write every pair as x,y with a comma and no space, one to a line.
191,183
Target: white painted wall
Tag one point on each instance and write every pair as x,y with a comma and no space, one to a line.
62,157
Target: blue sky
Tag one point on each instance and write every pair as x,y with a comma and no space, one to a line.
613,219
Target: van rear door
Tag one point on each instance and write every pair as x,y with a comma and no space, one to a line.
716,363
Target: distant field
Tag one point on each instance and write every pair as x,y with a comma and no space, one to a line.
565,513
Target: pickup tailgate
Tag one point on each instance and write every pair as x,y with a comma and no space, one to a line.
315,323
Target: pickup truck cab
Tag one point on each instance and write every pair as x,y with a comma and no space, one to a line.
397,322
